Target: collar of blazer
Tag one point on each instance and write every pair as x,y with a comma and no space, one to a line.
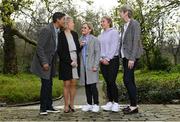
90,37
52,30
129,27
51,26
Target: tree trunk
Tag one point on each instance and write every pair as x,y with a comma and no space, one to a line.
10,57
175,59
148,60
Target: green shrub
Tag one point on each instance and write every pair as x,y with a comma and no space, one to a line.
24,88
176,68
163,96
152,86
159,62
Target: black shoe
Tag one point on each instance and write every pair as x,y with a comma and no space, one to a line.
71,109
43,112
126,108
52,110
129,111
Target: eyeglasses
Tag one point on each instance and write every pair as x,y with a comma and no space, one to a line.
83,27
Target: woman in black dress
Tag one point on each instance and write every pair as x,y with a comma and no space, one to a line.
68,50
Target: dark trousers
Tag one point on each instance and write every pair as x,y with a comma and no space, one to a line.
109,73
46,91
129,81
46,94
91,92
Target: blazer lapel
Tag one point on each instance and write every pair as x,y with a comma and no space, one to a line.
127,30
54,34
89,41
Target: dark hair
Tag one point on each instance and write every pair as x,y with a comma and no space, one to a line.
126,8
109,20
57,15
90,26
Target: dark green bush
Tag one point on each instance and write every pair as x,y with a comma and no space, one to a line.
175,68
158,62
153,87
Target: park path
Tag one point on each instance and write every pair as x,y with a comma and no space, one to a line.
148,112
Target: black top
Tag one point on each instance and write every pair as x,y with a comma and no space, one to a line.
65,68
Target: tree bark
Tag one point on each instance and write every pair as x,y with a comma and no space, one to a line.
21,36
10,57
149,66
175,59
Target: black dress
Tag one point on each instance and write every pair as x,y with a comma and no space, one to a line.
65,68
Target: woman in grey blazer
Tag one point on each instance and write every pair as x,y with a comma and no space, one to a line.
90,56
130,50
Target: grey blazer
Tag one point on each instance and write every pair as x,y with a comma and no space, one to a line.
132,46
93,57
45,53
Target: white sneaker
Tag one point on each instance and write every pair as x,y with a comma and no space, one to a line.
95,108
107,107
87,107
43,112
115,107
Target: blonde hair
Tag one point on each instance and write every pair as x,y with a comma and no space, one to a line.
90,26
109,20
67,19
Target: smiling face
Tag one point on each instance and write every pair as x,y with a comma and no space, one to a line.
123,14
126,13
104,23
85,30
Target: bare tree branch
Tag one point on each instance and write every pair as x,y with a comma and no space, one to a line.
26,39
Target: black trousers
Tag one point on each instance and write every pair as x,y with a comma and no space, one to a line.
109,73
46,91
91,93
129,81
46,94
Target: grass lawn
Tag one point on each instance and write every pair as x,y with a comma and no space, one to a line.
24,87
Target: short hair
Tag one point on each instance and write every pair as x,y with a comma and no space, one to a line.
90,26
127,8
109,20
57,15
66,21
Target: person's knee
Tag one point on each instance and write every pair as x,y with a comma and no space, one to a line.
73,83
66,84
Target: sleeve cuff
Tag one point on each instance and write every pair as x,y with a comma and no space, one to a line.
132,59
107,59
43,63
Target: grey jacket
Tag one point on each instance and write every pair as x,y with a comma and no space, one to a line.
45,53
93,57
132,46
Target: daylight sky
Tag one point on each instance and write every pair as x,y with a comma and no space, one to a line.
106,5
